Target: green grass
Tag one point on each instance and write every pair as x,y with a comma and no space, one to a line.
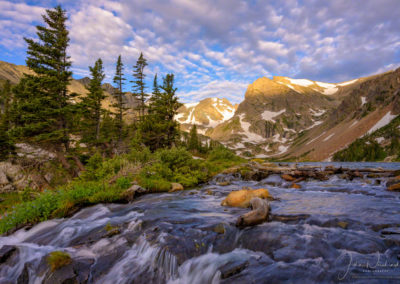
10,199
98,183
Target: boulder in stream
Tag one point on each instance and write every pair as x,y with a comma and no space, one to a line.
258,215
176,187
242,198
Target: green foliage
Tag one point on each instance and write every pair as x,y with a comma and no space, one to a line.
26,194
159,129
139,85
41,106
90,106
119,95
194,143
7,146
58,259
123,182
367,148
221,158
10,199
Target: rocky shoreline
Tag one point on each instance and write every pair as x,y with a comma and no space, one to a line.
294,173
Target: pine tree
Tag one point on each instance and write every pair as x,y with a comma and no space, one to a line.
91,105
42,105
139,85
159,129
6,145
194,143
119,95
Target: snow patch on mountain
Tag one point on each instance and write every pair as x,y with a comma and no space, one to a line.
251,137
383,122
190,105
329,137
300,82
330,89
269,115
363,101
348,82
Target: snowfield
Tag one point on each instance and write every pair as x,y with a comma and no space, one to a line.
383,122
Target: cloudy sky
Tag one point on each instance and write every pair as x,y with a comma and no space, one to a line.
217,47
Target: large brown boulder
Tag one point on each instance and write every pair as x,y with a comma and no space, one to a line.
242,198
176,187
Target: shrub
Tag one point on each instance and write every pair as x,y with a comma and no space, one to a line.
123,183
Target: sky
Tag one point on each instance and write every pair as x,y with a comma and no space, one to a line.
216,48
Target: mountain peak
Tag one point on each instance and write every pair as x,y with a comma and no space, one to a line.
265,86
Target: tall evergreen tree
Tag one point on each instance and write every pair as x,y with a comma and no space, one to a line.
119,95
139,85
91,105
6,145
42,105
159,129
194,143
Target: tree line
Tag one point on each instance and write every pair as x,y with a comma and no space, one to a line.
40,109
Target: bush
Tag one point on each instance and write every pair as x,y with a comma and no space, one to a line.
123,183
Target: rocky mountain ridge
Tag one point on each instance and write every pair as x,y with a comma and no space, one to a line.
301,119
279,118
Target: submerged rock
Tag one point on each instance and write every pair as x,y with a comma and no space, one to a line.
233,268
6,251
258,215
241,198
288,177
393,185
295,185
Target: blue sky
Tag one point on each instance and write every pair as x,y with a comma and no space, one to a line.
216,48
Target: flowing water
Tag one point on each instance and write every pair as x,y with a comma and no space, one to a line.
325,232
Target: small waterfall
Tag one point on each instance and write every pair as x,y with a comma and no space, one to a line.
143,258
206,268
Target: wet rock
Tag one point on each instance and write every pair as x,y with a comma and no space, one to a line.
394,186
219,229
6,251
176,187
77,271
23,278
242,198
322,176
258,215
287,177
390,231
233,268
343,224
135,190
209,192
295,185
224,183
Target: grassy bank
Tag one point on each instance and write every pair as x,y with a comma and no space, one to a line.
105,181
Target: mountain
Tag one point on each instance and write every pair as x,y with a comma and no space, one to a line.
301,119
14,73
284,118
274,112
206,114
